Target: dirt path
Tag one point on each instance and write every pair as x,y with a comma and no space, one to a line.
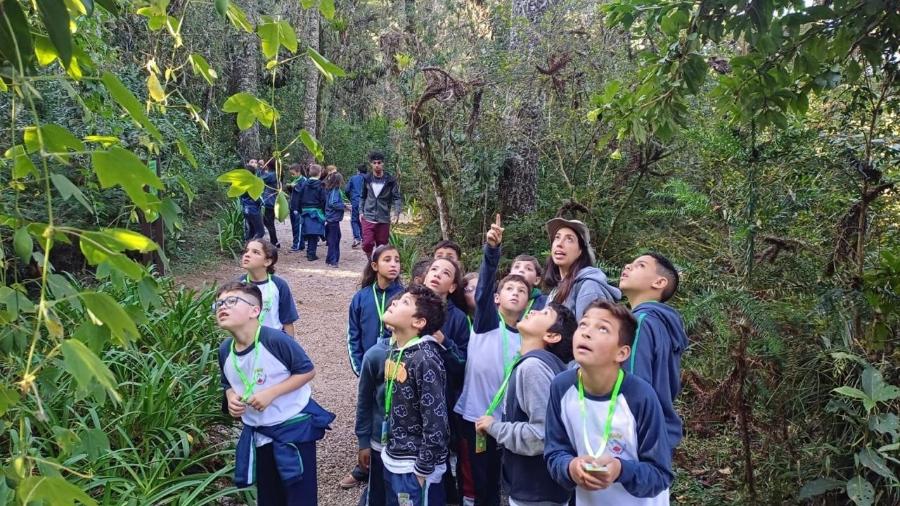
323,295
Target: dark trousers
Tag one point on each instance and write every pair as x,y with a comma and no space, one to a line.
333,239
312,243
374,235
373,494
354,223
269,221
296,230
253,228
484,467
270,491
404,490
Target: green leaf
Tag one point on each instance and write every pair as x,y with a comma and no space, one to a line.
124,98
100,249
818,487
121,167
242,181
130,240
22,164
186,188
307,4
250,109
326,7
851,392
53,139
9,397
110,5
328,69
673,22
860,491
51,490
875,462
222,7
155,88
107,311
44,50
94,443
67,189
238,18
201,68
22,244
186,152
274,33
312,145
886,423
15,44
55,16
282,208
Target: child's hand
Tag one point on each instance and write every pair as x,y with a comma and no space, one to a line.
261,400
482,424
582,478
495,235
614,466
235,406
364,458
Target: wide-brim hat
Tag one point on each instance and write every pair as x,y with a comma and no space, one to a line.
579,227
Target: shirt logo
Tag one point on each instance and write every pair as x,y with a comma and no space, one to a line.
260,376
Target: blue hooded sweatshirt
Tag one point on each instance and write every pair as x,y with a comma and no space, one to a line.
363,326
656,357
334,206
354,188
454,350
270,191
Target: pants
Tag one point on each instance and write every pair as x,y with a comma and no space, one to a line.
354,223
333,239
404,490
270,491
269,221
374,235
312,243
483,468
373,495
296,230
253,228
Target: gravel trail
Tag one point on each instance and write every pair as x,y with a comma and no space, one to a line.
323,295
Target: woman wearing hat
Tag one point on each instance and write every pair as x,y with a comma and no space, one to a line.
570,274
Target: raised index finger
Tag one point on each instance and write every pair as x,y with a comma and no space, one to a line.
497,220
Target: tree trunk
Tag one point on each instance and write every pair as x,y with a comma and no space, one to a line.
311,99
245,77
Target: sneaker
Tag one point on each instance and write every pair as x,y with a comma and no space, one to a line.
349,482
312,258
355,244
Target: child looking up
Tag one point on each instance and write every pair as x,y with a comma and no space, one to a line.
447,249
529,268
606,434
546,349
278,310
266,375
648,282
311,202
369,421
334,215
444,277
416,430
379,284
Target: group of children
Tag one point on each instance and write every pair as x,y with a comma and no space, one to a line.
469,386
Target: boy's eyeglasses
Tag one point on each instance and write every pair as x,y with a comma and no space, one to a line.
229,302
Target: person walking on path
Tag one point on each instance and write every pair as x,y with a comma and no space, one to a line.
380,200
354,192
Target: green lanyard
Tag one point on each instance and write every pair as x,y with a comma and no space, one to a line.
267,304
249,384
389,392
637,335
528,308
607,425
379,309
471,327
507,368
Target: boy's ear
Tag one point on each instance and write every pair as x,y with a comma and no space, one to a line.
496,298
418,323
660,283
623,353
552,337
254,312
537,282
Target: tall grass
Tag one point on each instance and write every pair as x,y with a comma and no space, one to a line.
230,224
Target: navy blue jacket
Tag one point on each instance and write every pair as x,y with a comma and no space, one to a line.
308,426
363,325
270,191
456,343
334,206
538,300
370,394
354,188
526,476
310,194
656,357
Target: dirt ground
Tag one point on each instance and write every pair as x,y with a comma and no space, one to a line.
323,295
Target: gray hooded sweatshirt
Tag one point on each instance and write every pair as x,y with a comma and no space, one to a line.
590,284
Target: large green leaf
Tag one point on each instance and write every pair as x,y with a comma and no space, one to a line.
186,152
121,167
275,33
222,7
238,18
860,491
875,387
9,397
55,16
312,145
130,240
67,189
818,487
250,109
106,310
111,5
22,164
22,244
871,459
242,181
127,100
201,68
88,370
282,208
328,69
15,35
326,7
100,249
51,491
53,139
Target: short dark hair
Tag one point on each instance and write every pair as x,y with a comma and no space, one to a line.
448,245
269,250
420,268
666,269
528,258
565,326
239,286
627,323
376,155
429,306
513,278
362,168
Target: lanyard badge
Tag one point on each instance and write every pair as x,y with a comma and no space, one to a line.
607,424
248,382
480,438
